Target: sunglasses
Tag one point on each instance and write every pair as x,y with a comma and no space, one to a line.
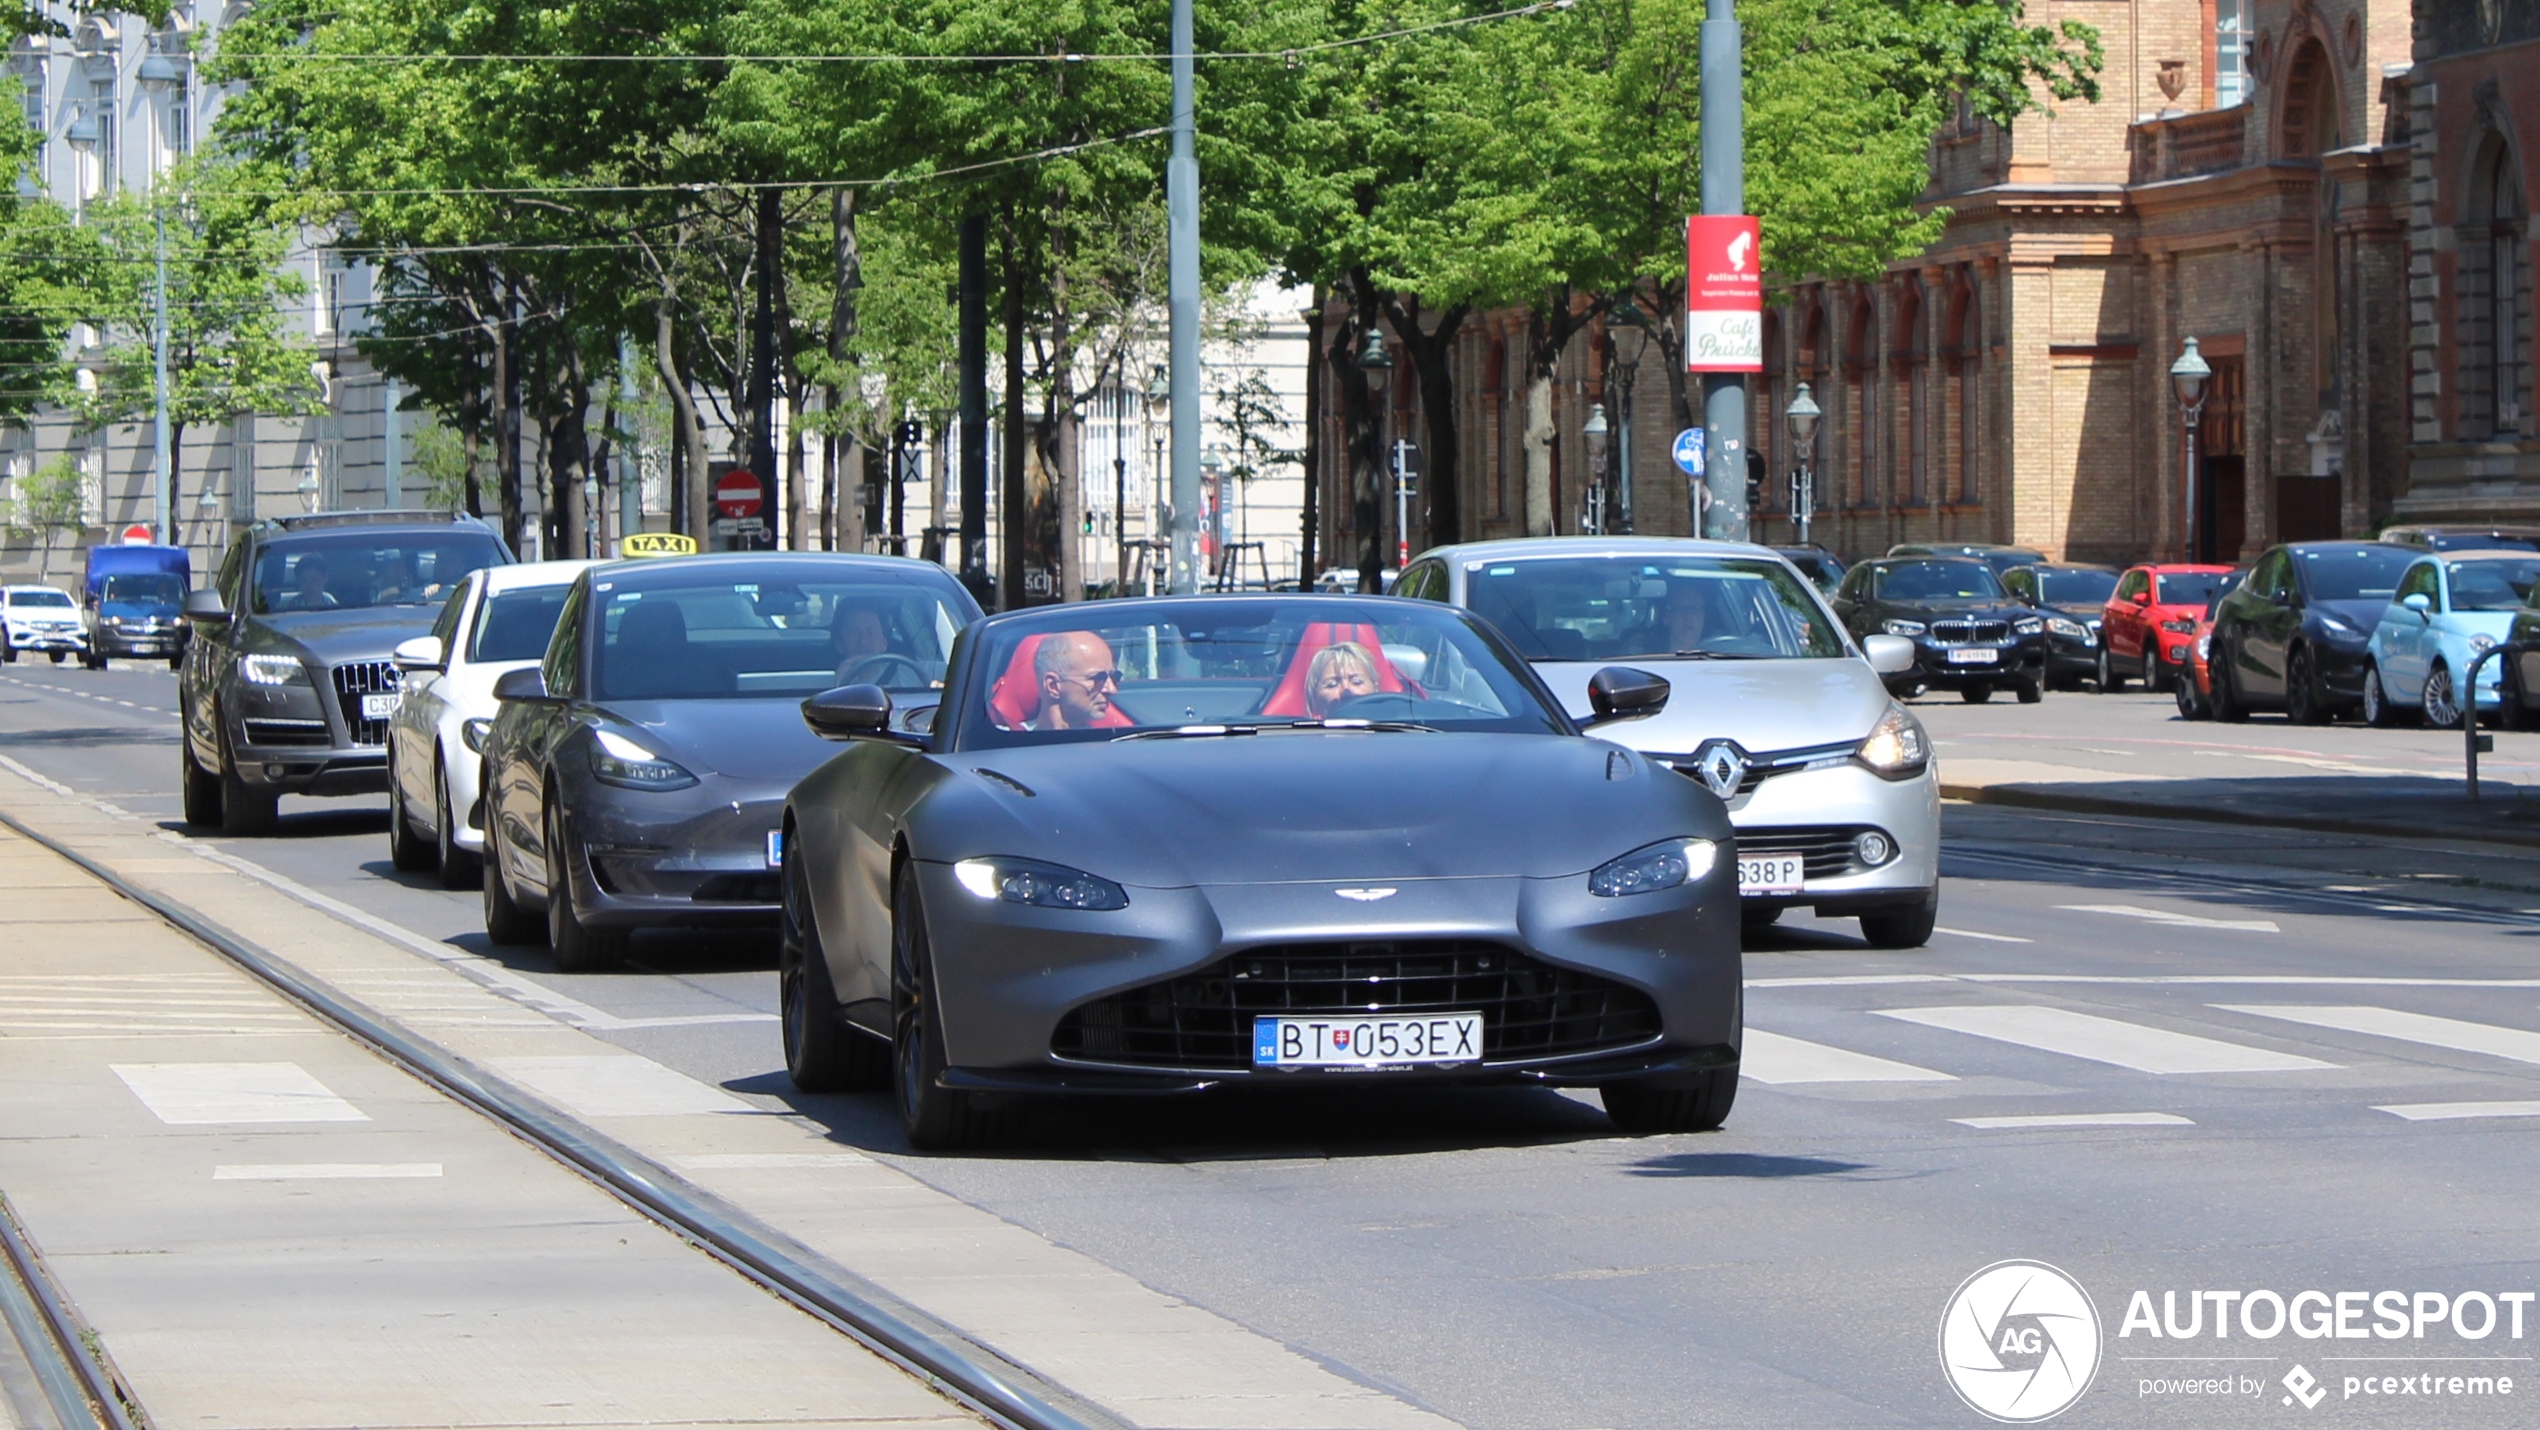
1098,678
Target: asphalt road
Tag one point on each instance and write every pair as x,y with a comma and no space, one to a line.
2212,1021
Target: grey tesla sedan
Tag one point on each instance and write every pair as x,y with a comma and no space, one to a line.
635,778
1156,845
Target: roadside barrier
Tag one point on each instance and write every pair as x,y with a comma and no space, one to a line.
2478,741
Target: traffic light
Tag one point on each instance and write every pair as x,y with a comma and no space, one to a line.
1754,480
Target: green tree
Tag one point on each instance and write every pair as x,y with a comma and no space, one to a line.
50,500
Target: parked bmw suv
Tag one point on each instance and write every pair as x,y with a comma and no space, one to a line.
1969,634
287,687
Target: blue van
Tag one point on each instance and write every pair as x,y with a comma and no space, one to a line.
134,598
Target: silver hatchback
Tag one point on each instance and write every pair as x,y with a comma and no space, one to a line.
1830,783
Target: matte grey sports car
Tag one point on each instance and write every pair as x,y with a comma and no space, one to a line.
635,778
1155,845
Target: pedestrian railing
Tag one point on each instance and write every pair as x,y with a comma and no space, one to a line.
2478,741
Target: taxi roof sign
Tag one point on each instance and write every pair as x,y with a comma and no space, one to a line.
657,543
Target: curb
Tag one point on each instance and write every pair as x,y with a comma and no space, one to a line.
2034,797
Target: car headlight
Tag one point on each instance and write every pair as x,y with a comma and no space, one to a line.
2338,625
2179,625
472,733
2069,630
1044,886
1904,628
2028,627
273,670
617,760
115,621
2205,646
2480,645
1896,748
1667,864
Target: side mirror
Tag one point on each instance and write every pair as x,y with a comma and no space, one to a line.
1889,655
526,685
421,653
849,712
1618,692
205,605
2143,597
2420,603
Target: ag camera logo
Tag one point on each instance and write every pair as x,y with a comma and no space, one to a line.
2019,1342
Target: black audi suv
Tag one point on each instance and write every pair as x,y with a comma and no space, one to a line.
1969,634
287,685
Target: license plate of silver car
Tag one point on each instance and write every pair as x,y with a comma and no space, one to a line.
1771,874
1372,1041
1974,657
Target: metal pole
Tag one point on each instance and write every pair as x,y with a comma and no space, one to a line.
974,406
1723,192
163,452
2194,415
1807,502
1625,371
392,438
1401,504
630,461
762,392
1120,504
1181,198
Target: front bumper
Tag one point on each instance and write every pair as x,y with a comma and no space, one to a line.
2022,658
1816,812
689,858
48,638
1007,976
283,738
141,643
2073,656
2341,669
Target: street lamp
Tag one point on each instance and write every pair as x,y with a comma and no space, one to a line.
161,74
1596,431
2187,380
1801,416
1159,398
1375,363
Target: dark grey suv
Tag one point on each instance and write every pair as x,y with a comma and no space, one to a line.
287,685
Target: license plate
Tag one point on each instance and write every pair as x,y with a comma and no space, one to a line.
775,849
1771,874
1974,657
379,707
1340,1041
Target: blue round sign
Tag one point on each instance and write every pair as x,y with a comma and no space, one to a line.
1689,450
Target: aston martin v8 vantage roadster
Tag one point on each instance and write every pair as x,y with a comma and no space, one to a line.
1156,845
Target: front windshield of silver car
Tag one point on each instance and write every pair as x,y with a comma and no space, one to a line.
1600,608
723,639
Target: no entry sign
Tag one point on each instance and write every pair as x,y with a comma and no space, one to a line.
737,495
1724,294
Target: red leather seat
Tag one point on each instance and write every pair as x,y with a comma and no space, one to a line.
1287,698
1016,697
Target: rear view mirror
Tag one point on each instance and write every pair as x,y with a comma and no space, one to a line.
205,605
421,653
1618,692
848,712
526,684
1889,655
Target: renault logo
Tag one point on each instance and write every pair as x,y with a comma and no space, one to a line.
1366,896
1721,766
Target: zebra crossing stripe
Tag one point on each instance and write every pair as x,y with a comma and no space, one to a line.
2103,1040
2514,1044
1773,1059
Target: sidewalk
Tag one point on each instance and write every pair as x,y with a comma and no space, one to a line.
2391,805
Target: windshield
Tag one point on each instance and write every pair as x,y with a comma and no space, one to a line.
361,571
1236,664
1621,607
515,625
2075,588
2492,585
2193,588
783,635
2354,573
38,598
2002,561
144,588
1939,581
2223,586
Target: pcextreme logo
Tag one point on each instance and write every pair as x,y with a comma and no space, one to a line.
2019,1342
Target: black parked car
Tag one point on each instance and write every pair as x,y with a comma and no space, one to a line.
2292,637
2071,599
1969,635
1823,568
287,686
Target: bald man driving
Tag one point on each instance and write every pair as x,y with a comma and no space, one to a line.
1074,671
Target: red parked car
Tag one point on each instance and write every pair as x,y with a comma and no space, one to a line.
2150,621
2194,683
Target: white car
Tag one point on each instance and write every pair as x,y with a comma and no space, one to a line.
498,620
39,618
1830,783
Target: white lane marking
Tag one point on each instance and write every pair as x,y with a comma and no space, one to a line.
2455,1111
1848,980
2077,1119
323,1171
2514,1044
618,1085
2102,1040
1773,1059
208,1094
691,1020
759,1161
2164,916
1986,937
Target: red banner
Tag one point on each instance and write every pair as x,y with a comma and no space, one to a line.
1724,294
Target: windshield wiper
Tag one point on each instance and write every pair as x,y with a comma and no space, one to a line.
1188,732
1717,655
1197,732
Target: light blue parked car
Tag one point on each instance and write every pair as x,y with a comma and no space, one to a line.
2447,610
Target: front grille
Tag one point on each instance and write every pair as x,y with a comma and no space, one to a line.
1825,848
738,889
1530,1009
352,682
288,732
1970,632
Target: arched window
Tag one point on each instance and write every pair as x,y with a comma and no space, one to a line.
2509,293
1913,360
1966,369
2307,124
1861,369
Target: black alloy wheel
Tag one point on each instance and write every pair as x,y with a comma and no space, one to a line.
200,786
822,1052
2379,713
578,947
2191,706
57,656
2031,690
2304,702
1642,1108
2109,681
458,868
246,811
2224,701
407,850
1976,694
506,922
936,1118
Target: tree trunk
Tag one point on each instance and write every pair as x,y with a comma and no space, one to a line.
507,418
796,539
1432,357
690,499
1550,328
1366,441
1016,504
828,471
1059,454
1309,529
569,451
